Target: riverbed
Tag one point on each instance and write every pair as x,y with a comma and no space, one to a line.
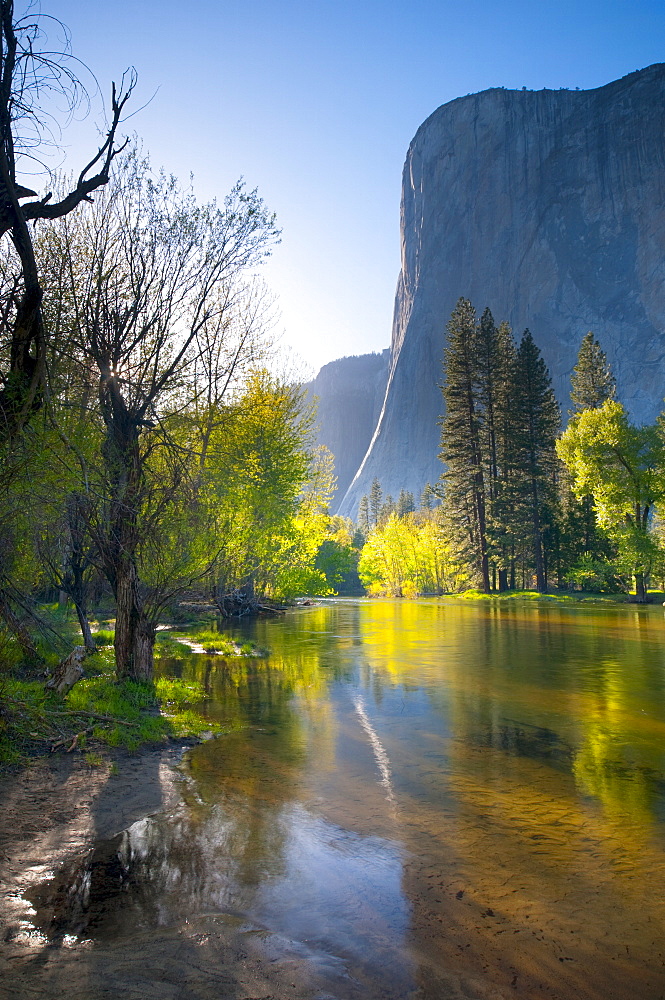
411,799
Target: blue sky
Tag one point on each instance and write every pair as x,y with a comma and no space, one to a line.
315,103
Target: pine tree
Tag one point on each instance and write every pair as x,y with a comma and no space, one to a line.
375,497
405,503
537,424
387,508
503,526
461,429
363,516
427,497
592,380
495,389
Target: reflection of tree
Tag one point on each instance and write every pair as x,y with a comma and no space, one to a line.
141,877
547,683
274,707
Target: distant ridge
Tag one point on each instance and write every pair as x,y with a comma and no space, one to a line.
350,393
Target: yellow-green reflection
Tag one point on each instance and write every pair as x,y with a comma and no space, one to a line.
447,789
581,689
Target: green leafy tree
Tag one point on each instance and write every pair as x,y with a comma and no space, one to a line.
256,470
584,543
407,556
148,269
623,468
338,556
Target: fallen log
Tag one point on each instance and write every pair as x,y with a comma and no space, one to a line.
68,671
241,603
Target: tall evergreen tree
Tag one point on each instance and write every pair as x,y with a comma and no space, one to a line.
495,385
592,381
363,515
538,422
405,503
461,429
427,497
375,499
388,507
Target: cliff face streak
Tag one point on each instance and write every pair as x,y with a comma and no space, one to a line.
548,207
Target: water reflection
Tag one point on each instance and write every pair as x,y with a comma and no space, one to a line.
422,790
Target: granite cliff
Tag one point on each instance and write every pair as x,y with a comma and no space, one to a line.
350,392
548,207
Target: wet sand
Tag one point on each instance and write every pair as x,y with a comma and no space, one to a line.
52,813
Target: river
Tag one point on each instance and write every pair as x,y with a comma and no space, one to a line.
421,799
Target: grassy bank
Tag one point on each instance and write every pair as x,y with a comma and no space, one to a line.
100,714
558,597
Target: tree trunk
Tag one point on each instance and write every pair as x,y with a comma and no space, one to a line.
68,671
134,632
640,587
84,624
541,572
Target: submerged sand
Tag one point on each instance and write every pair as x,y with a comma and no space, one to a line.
53,813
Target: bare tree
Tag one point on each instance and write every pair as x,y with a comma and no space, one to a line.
151,276
27,72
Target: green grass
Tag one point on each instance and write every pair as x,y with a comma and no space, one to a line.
103,637
562,597
216,642
98,712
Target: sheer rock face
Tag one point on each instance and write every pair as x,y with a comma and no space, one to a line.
548,207
350,392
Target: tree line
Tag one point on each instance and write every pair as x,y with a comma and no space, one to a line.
519,503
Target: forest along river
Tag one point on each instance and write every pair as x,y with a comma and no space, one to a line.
419,799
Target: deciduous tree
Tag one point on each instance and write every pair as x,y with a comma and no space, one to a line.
148,270
623,468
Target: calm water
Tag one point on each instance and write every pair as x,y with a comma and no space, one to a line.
423,798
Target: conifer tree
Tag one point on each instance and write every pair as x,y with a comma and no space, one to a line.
495,391
405,503
363,515
387,508
461,437
537,425
375,498
592,380
427,497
